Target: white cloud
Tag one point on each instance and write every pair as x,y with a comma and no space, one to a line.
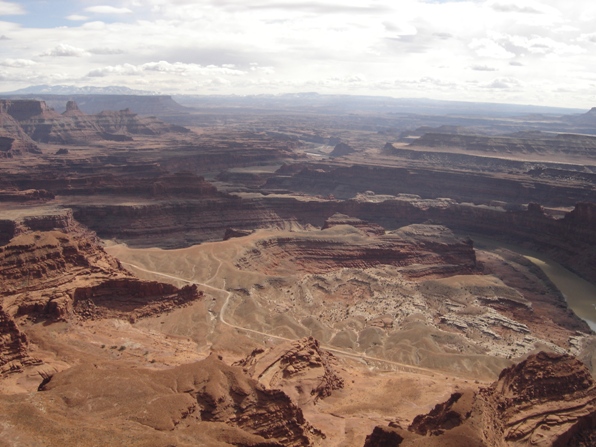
483,68
10,9
254,67
17,63
488,48
540,45
503,83
65,50
511,7
96,25
106,50
125,69
106,9
177,68
589,37
450,49
77,17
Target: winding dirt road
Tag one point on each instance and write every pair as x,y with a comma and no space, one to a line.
361,357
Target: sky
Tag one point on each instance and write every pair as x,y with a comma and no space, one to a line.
505,51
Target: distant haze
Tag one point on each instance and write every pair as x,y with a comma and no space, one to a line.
539,52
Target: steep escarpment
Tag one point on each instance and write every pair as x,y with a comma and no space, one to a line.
52,268
431,249
23,110
341,219
125,122
130,298
44,125
153,105
525,143
53,264
498,162
547,400
29,195
13,139
569,240
341,149
175,224
225,149
14,344
462,185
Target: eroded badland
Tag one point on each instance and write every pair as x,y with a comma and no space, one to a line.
294,272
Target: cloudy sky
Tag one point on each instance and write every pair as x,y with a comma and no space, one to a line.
519,51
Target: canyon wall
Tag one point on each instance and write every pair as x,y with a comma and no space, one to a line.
44,125
570,240
462,186
547,400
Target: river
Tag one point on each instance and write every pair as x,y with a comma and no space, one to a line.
579,293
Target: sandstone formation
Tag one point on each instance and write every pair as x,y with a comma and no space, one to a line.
207,402
72,109
546,400
364,293
304,370
172,224
13,139
341,219
52,268
462,185
44,125
153,105
130,299
364,248
419,249
13,346
28,195
341,149
538,142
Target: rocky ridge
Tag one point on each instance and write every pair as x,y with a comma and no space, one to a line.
546,400
14,140
301,368
42,124
14,344
206,402
568,240
341,149
535,142
462,184
52,268
418,249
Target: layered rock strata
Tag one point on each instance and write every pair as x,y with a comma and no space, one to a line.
44,125
421,250
546,400
14,140
524,143
568,240
14,344
52,268
369,228
462,185
130,299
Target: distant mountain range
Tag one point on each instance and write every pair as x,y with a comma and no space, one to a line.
95,99
73,90
338,104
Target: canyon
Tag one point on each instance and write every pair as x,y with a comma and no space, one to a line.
233,276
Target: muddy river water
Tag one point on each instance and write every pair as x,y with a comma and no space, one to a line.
579,293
